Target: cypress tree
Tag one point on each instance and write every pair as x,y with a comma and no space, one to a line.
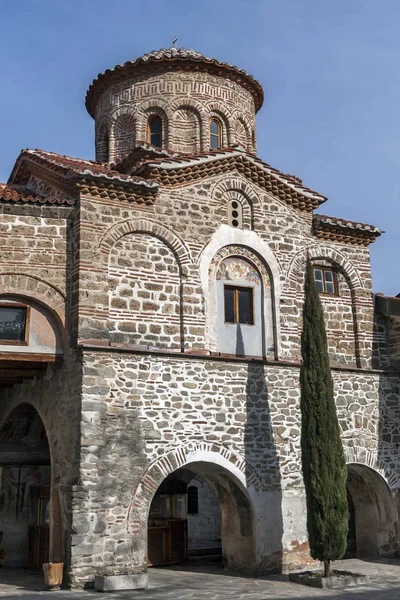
323,461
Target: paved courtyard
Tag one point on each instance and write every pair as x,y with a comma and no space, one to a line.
201,581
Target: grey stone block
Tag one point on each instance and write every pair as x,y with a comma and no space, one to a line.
113,583
338,579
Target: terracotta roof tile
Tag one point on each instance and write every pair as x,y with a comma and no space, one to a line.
77,167
334,221
285,186
181,58
26,195
342,230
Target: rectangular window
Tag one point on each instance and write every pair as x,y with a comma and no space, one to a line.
325,280
14,320
238,305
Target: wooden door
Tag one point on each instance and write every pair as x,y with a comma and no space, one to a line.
39,528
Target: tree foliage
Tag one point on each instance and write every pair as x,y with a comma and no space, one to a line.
323,461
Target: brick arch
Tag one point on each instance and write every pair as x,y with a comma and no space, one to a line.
224,114
237,186
362,456
144,226
103,139
328,253
33,287
120,112
214,106
187,103
153,107
195,108
122,133
181,456
239,118
154,103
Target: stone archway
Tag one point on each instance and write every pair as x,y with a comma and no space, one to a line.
373,514
26,483
25,489
236,511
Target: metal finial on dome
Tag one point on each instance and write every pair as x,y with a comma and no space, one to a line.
174,41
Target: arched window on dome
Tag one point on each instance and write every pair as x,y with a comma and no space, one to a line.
215,134
154,131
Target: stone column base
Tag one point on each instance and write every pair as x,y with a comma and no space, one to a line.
111,583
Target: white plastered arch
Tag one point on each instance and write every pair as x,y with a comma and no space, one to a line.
227,236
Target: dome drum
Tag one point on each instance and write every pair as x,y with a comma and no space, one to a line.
190,94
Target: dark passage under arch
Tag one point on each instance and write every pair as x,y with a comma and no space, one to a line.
372,513
25,489
167,525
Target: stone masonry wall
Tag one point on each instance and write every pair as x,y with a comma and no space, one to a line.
145,292
33,242
56,397
137,409
185,102
204,528
187,220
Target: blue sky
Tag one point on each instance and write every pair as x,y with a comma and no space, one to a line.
330,72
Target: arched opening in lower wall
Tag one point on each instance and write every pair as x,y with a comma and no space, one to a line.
25,489
372,513
225,525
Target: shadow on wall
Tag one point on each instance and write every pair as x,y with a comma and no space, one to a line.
261,453
386,496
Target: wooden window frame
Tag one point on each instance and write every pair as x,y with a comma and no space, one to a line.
27,323
149,134
236,289
215,120
334,280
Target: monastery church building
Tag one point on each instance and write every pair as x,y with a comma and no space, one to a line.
150,323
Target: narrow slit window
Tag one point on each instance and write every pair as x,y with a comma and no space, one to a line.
325,280
154,133
235,214
14,320
193,500
215,134
239,305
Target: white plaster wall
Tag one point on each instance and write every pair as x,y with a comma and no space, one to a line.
235,338
204,528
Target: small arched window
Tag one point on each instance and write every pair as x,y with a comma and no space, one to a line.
215,134
193,500
154,131
235,214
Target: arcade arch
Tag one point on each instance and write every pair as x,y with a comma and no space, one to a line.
30,521
167,518
372,512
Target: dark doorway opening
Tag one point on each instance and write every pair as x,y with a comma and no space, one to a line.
372,514
221,529
25,474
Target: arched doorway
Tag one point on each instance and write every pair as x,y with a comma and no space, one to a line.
25,475
167,517
372,513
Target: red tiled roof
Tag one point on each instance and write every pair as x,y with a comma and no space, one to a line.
169,58
173,170
335,222
26,195
140,152
78,167
342,230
